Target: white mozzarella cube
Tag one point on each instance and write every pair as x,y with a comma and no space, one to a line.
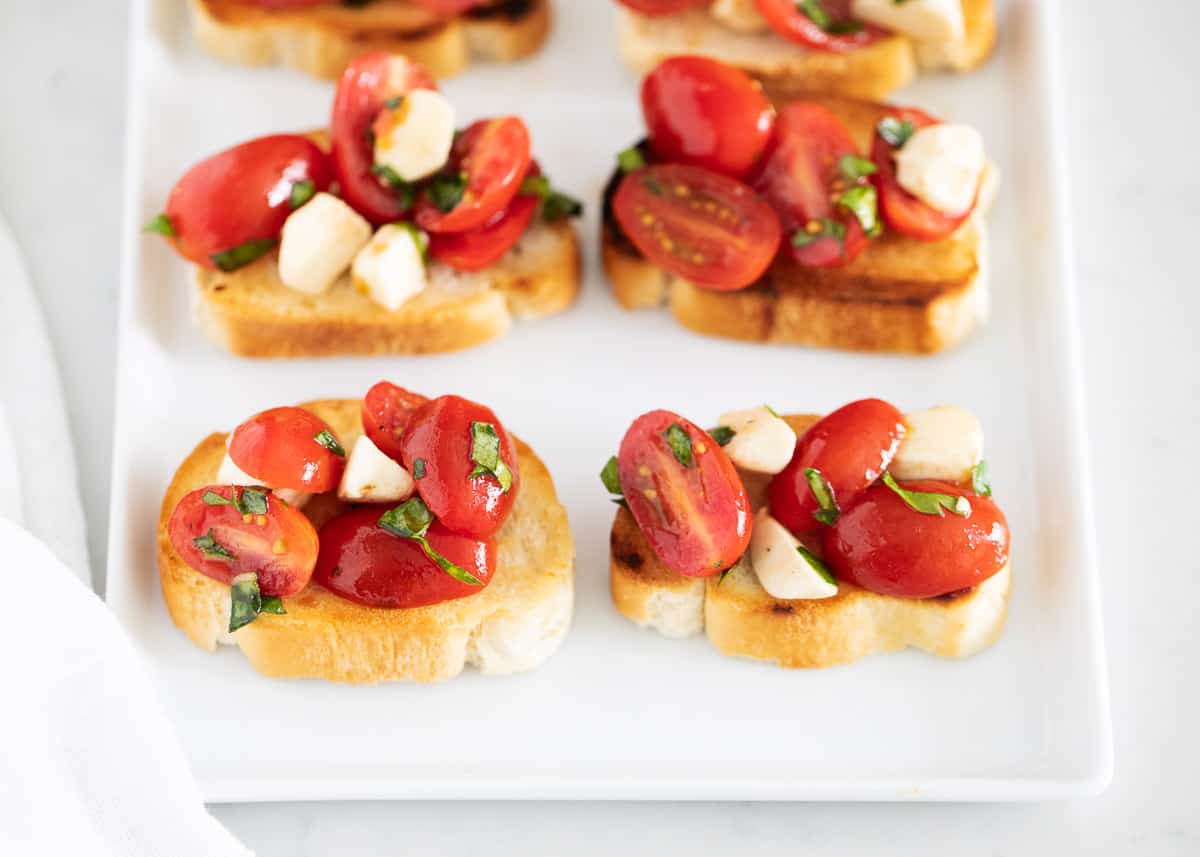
372,477
414,138
783,569
320,240
762,442
944,442
942,165
924,20
230,474
390,270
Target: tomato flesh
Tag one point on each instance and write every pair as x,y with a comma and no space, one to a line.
370,566
654,8
851,447
242,194
280,447
900,210
702,112
485,245
695,517
386,413
362,92
707,228
788,19
440,435
280,546
882,544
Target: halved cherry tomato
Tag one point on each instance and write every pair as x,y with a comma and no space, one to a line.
484,246
695,515
851,447
882,544
370,566
220,542
441,435
662,7
364,88
386,413
801,174
702,226
703,112
841,33
241,196
449,7
288,448
492,156
902,211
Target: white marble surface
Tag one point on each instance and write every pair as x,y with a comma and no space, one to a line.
1132,80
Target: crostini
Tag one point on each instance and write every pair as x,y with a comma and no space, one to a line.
810,541
393,233
852,48
394,538
322,37
832,222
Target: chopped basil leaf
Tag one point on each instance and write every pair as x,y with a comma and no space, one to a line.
211,549
161,225
406,192
251,501
724,574
862,201
247,602
446,190
419,469
485,452
411,520
652,184
772,411
826,227
680,443
302,192
535,186
608,475
212,498
817,565
722,435
981,480
556,206
326,439
242,255
393,102
853,168
622,502
456,571
273,605
930,502
631,159
815,11
895,132
822,491
337,569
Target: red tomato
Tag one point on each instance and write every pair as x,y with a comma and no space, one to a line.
280,546
493,155
800,175
662,7
386,412
485,245
841,34
365,86
852,447
696,517
370,566
449,7
241,195
900,210
703,112
285,448
882,544
707,228
440,434
288,4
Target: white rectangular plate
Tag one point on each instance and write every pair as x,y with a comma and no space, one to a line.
621,712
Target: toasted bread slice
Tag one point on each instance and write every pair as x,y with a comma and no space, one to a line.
741,618
322,41
900,295
788,69
513,625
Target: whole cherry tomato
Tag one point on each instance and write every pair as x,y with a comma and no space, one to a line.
468,490
825,25
703,112
289,448
851,448
685,494
370,566
229,209
386,413
655,8
216,538
883,544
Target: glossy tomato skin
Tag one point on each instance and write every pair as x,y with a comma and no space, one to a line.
787,19
364,87
484,246
367,565
280,447
280,546
882,544
386,412
696,518
242,194
799,176
852,447
702,112
707,228
901,211
440,435
494,155
654,8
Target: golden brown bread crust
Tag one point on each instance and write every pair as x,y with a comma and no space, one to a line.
322,41
741,618
324,636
